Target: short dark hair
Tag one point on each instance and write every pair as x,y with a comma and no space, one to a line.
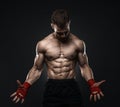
60,17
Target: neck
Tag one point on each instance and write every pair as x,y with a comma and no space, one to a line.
61,39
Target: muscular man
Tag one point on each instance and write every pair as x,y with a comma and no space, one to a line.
60,51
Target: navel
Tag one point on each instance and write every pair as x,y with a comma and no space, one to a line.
61,55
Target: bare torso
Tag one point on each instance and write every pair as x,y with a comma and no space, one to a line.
60,57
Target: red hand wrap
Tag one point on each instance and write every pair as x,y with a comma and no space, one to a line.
93,88
91,82
23,90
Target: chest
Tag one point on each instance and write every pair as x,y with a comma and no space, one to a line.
56,50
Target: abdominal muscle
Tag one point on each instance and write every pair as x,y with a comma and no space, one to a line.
61,69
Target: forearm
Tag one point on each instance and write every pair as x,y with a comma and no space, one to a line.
33,75
86,72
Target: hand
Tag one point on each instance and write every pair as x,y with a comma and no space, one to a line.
96,92
21,92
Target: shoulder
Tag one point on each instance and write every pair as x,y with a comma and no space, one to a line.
41,45
78,42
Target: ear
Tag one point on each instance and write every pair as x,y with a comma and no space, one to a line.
52,25
69,22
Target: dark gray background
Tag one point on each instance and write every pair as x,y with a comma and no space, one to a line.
24,23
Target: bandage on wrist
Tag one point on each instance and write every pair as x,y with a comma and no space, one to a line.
26,85
91,82
23,90
93,88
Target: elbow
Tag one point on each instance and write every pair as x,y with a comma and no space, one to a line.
38,74
84,69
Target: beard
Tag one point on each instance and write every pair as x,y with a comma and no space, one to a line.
63,38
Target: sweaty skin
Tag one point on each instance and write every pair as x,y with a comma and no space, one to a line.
60,51
60,57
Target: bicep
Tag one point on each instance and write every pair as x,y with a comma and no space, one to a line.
39,60
82,59
82,55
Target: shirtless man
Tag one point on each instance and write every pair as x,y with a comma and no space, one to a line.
60,51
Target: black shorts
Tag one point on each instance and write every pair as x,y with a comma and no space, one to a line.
62,93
